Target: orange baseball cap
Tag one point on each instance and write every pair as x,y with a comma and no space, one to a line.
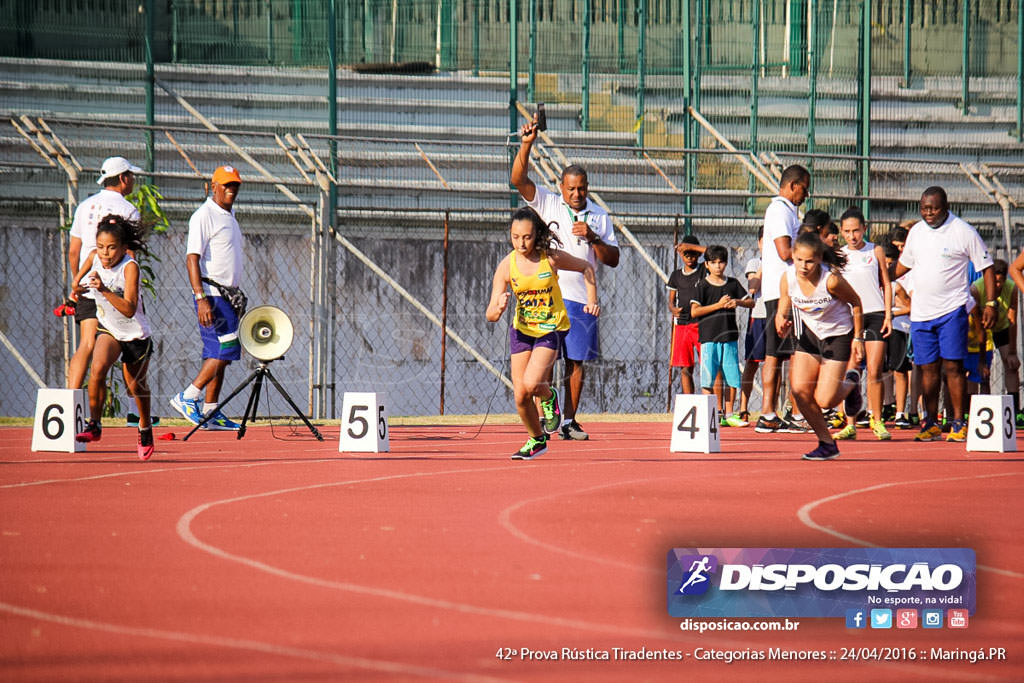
226,174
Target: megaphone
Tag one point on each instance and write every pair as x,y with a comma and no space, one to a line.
265,333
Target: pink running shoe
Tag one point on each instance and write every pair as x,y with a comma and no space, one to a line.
145,444
92,432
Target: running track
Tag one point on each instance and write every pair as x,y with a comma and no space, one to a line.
275,558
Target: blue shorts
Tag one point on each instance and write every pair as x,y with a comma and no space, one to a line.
973,368
754,341
715,356
944,337
220,340
581,341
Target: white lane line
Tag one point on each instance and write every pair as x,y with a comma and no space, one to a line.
804,513
185,532
242,644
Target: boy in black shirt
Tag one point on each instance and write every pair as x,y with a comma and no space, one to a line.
682,285
714,306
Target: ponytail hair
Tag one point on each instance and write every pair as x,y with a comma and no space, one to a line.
128,232
542,234
835,258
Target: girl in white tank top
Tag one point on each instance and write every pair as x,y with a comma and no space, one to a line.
114,278
829,311
866,272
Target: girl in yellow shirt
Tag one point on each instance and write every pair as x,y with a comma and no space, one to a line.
540,320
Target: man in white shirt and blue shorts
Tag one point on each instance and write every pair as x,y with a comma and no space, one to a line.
941,245
214,251
585,231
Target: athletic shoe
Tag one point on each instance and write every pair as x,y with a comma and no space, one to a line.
864,419
132,420
91,433
190,409
145,444
915,420
1020,420
902,422
534,446
957,431
573,431
847,433
853,401
768,425
795,425
735,420
930,432
552,413
824,451
745,416
878,427
888,412
219,423
836,419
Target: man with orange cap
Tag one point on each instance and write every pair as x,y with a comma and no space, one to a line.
214,252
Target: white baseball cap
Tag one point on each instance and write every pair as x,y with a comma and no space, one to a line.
115,166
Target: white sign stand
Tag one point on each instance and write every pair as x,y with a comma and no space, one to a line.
991,425
364,423
695,424
60,414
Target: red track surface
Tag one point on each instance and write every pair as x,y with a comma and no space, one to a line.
277,558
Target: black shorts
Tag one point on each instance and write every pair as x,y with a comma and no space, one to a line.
830,348
134,351
1001,338
773,344
896,358
85,309
873,326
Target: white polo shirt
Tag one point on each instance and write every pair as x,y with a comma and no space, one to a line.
88,215
780,220
551,207
940,257
214,235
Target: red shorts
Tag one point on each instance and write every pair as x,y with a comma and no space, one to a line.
685,346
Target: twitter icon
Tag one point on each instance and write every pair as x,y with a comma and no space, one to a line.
881,618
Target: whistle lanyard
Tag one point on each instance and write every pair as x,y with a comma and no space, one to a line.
575,217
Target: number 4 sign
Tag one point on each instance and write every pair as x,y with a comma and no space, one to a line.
60,414
695,424
991,425
364,423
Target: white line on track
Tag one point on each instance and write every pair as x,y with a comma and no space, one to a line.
804,513
241,644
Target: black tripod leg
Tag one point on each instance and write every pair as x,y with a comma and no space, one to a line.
237,390
294,407
254,402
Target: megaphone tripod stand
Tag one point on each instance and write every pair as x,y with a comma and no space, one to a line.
256,379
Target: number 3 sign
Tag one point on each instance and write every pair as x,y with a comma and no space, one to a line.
60,414
364,424
695,424
991,425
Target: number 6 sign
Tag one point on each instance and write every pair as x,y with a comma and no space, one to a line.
364,423
991,426
60,414
695,424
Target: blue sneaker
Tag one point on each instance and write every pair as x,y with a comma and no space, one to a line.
219,423
190,410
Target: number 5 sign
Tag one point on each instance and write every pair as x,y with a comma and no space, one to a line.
60,414
991,425
364,424
695,424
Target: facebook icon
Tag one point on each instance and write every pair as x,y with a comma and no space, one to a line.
856,618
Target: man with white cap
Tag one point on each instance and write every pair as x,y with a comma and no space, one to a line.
117,176
214,251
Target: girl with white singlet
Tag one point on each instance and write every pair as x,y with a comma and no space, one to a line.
866,272
830,323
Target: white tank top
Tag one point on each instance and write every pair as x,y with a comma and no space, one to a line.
111,319
823,314
861,272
